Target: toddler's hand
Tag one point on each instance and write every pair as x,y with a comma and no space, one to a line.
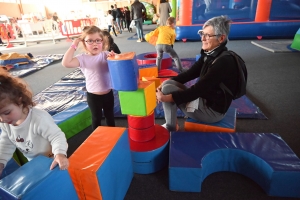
61,160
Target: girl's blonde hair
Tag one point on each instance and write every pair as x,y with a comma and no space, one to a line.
91,30
14,90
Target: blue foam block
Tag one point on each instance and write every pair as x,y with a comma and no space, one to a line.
124,74
116,173
10,167
35,180
263,157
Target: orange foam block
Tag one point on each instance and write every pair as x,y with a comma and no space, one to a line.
227,124
156,81
101,168
148,72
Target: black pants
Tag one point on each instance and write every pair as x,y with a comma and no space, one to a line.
113,28
128,21
99,102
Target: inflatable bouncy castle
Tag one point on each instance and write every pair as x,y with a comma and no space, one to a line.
251,18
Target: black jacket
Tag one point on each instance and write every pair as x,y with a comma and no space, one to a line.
210,76
119,13
137,9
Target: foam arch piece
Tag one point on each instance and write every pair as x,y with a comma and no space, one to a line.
263,157
35,180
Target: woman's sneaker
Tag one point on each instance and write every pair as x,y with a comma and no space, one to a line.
165,126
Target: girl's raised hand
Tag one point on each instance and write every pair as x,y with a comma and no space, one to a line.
76,41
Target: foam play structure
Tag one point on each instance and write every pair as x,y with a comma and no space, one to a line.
107,172
148,141
251,18
296,41
263,157
102,167
35,180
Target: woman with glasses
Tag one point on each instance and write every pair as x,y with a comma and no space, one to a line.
204,101
93,64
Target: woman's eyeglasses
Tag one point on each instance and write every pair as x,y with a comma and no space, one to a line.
205,35
90,42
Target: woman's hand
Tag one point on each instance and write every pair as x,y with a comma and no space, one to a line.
61,160
161,97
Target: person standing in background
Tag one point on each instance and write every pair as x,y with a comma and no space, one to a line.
55,21
127,18
110,21
137,9
114,14
119,16
164,12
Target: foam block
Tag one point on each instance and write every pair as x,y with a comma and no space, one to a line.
74,119
151,156
141,102
141,135
11,166
157,81
101,168
35,180
148,58
148,72
227,124
141,122
263,157
124,71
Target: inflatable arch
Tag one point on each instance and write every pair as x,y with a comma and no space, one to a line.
251,18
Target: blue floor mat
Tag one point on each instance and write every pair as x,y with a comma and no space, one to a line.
37,63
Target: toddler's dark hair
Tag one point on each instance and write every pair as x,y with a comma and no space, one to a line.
14,90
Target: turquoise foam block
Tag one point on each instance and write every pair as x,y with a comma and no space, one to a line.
116,171
35,181
10,167
263,157
124,74
228,122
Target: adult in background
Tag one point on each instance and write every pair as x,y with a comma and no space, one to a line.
127,18
119,18
137,9
55,21
205,100
114,22
164,12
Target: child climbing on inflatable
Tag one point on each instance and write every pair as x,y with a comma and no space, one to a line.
163,38
93,64
27,128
